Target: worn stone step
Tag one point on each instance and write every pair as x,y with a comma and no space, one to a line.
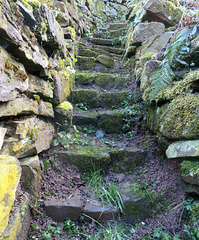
115,26
113,99
114,50
90,98
101,41
96,210
127,159
107,120
85,51
103,80
87,97
111,34
86,158
81,117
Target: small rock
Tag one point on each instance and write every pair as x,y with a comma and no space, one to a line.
99,134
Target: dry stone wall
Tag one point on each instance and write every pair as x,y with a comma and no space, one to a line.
173,108
37,65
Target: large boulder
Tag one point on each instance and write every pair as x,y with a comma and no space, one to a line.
27,137
144,31
162,11
10,173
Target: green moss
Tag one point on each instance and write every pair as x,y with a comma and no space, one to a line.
65,106
85,63
110,99
148,56
87,158
72,31
179,88
84,78
110,121
105,80
49,105
13,70
190,168
130,51
180,119
90,97
106,60
172,11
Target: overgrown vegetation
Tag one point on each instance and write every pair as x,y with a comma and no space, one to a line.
172,60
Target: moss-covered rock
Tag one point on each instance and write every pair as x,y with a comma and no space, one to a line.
87,158
190,176
105,80
63,114
89,97
179,119
113,99
10,173
85,51
126,159
190,82
138,202
110,121
105,60
85,63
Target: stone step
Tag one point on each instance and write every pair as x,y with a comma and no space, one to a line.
86,158
91,98
115,26
102,63
108,120
85,51
101,41
103,80
114,50
61,209
111,34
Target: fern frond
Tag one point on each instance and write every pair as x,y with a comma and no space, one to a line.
165,75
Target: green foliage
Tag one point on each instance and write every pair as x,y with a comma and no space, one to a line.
50,230
83,106
172,60
133,112
67,139
47,162
106,192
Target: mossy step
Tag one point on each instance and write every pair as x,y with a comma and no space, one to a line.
113,99
103,80
102,63
115,26
110,121
86,158
127,159
101,41
107,120
111,34
114,50
85,51
91,98
87,97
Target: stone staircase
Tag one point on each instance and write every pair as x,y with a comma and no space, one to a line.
102,84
